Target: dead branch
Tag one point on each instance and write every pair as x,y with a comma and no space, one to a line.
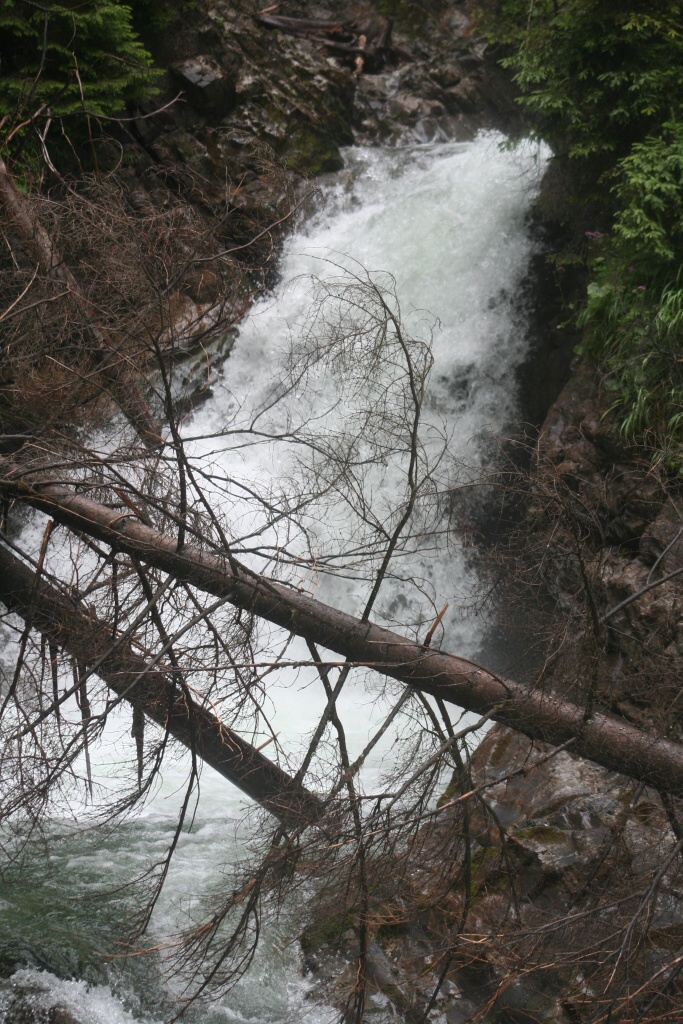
67,623
127,392
607,741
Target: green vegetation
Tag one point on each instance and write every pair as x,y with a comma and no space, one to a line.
602,84
59,61
151,16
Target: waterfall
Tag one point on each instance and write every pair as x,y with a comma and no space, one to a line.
448,223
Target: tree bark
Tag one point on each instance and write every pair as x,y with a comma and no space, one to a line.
608,741
65,622
126,392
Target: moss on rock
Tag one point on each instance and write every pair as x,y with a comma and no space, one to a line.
309,151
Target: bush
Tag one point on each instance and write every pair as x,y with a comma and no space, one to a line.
596,76
649,187
635,331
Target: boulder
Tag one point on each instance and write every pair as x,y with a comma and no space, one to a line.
208,85
25,1010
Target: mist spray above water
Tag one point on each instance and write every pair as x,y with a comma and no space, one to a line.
443,228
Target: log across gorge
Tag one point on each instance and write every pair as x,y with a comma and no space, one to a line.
608,741
65,622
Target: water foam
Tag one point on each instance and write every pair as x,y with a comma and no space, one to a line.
449,223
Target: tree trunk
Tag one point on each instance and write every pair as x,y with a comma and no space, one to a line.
608,741
126,392
64,621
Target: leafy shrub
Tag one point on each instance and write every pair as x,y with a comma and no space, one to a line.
650,190
595,75
636,331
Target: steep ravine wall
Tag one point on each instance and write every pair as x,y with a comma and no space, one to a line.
248,115
567,835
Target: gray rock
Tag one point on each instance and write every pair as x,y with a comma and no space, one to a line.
209,86
461,1012
25,1010
538,794
521,1003
413,108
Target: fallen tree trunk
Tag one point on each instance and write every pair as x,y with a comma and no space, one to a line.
126,392
369,35
65,622
608,741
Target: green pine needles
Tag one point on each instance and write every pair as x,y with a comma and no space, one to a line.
64,60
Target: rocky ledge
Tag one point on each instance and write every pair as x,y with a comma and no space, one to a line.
235,74
566,861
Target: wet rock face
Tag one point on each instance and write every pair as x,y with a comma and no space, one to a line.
575,834
601,500
23,1010
563,815
239,75
209,87
538,794
554,840
247,111
448,96
305,98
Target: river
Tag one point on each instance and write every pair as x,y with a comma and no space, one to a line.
449,223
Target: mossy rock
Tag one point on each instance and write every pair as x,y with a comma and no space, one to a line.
501,748
327,933
484,858
488,872
450,792
540,834
311,152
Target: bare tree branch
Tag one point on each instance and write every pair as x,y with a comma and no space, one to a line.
607,741
64,621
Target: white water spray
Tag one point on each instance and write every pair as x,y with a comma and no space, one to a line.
448,222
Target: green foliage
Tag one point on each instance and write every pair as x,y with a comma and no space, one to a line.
650,190
601,81
68,58
152,16
636,330
596,75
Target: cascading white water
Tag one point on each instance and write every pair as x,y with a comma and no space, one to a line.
448,222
